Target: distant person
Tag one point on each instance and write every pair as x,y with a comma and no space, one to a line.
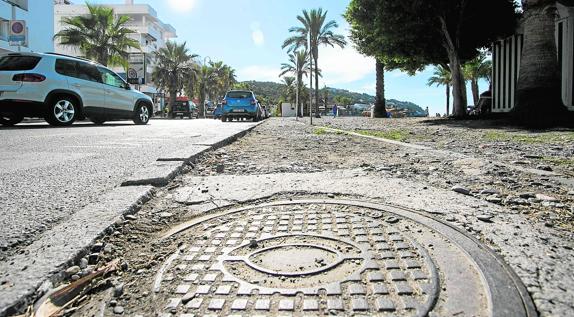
335,110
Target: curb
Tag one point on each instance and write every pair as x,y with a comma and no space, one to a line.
29,274
165,169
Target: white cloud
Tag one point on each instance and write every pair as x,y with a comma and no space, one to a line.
182,6
344,65
259,73
257,34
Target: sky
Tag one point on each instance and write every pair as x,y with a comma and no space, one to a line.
247,35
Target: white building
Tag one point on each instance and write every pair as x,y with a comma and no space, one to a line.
151,32
39,24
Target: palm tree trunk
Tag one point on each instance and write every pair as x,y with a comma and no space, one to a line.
380,110
297,96
317,115
311,90
447,100
538,91
474,88
172,97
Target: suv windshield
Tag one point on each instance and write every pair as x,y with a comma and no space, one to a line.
239,94
18,62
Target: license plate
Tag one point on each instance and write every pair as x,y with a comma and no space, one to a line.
238,110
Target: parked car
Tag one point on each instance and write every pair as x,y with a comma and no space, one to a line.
240,104
183,108
62,89
265,112
218,112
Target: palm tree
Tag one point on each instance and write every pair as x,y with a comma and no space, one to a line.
442,76
298,66
538,91
101,35
174,66
289,90
318,32
207,81
476,69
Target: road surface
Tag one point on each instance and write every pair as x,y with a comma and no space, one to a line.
47,173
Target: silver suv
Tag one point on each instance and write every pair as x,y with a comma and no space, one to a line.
62,88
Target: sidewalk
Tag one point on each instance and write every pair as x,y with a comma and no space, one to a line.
299,220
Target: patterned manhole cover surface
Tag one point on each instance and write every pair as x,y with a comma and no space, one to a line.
318,259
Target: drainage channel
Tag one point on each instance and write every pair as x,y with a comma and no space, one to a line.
321,257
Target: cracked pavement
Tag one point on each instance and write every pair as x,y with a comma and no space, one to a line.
283,160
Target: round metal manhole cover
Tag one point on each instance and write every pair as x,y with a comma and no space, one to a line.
344,258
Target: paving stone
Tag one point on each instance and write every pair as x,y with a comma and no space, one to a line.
262,304
335,304
240,304
216,304
286,304
223,290
357,289
182,289
380,289
359,304
384,304
310,304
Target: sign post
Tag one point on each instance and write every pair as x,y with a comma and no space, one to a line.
137,69
17,32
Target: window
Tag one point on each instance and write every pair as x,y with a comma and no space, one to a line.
239,94
66,67
88,72
18,62
111,78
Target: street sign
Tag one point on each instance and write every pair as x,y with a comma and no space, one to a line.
22,4
17,32
137,69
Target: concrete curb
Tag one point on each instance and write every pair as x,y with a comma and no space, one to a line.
165,169
32,272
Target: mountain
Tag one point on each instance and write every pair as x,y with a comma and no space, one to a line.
273,92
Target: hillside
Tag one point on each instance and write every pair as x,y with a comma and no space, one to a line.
272,91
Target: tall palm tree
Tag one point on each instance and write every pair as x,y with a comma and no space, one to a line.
442,76
318,32
207,79
538,90
101,35
174,65
476,69
289,89
298,66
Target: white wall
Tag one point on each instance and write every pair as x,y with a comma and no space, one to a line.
40,22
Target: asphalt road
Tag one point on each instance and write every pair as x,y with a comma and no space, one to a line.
47,173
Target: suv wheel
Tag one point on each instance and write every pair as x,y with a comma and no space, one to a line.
9,119
62,111
141,115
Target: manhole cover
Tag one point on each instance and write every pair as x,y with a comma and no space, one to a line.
323,257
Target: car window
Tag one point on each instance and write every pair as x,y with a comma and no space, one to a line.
239,94
66,67
88,72
11,62
111,78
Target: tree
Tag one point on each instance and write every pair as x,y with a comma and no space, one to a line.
538,91
289,90
476,69
298,66
319,33
441,77
174,66
411,34
101,35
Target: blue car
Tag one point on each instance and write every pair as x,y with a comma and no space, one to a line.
218,112
240,104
